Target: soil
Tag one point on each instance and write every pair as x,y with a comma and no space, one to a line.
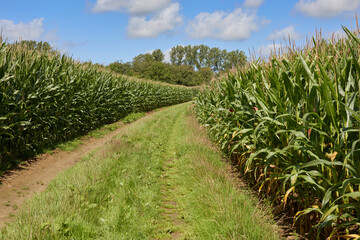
34,176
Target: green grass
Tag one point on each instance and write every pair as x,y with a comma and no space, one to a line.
70,145
98,133
209,199
118,192
101,132
132,117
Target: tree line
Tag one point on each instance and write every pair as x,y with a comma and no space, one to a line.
189,65
41,46
200,56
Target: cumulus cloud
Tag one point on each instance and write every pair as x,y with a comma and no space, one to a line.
284,34
22,31
236,25
253,3
147,18
326,8
131,6
110,5
146,6
162,22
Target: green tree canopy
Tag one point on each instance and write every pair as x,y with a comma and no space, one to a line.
189,65
200,56
34,45
158,55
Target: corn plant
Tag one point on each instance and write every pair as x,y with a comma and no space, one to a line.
47,98
292,126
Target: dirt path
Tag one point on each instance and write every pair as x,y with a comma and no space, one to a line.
160,179
20,185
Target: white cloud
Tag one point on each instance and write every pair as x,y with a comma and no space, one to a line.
147,6
253,3
266,51
236,25
326,8
131,6
22,31
148,18
162,22
110,5
284,34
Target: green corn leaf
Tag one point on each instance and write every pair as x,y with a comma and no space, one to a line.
307,70
328,212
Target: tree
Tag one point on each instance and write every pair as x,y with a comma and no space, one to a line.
160,71
177,55
183,75
122,68
142,63
214,59
33,45
222,59
43,46
29,44
202,55
235,58
191,56
158,55
188,55
141,58
204,75
190,65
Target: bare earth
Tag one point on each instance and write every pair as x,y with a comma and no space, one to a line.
20,185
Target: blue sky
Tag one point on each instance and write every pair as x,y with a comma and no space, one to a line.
105,31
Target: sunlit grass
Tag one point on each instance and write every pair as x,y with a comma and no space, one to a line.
117,192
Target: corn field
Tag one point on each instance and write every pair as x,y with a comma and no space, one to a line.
292,127
47,98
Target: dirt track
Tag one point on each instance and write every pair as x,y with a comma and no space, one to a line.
20,185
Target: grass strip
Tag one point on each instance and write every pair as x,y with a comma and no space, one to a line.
101,132
112,193
213,204
97,133
118,192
